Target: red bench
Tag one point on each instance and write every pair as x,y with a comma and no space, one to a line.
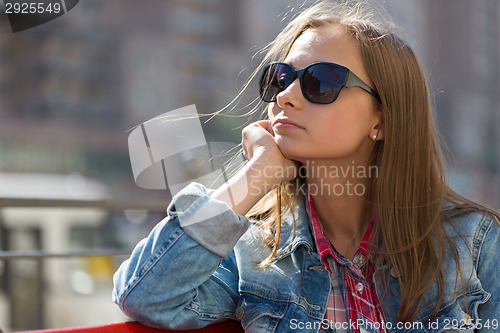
230,326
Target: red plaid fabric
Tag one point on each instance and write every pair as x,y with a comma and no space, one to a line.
351,281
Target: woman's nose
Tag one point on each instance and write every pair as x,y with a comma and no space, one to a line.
291,97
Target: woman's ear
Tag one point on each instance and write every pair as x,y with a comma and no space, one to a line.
377,132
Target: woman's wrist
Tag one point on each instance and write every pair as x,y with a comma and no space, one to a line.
257,177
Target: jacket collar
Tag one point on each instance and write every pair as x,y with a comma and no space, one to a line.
290,242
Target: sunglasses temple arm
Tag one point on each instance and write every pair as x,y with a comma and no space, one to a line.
352,80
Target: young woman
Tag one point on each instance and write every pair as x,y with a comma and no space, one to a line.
341,220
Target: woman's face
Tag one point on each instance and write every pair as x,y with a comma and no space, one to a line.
337,131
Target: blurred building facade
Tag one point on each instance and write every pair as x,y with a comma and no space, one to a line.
459,44
72,88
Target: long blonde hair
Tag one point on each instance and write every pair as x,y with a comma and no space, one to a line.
411,189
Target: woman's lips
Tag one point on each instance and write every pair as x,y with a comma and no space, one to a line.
283,123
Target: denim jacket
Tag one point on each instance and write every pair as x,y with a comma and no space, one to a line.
198,266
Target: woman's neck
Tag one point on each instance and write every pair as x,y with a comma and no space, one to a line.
340,195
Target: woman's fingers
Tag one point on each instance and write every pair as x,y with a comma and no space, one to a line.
256,136
258,141
266,124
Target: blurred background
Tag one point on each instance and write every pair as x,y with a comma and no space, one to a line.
71,89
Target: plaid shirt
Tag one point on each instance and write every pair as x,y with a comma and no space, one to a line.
352,299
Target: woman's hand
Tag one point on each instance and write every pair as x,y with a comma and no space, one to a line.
266,169
259,145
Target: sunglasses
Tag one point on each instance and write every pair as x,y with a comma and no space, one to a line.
320,82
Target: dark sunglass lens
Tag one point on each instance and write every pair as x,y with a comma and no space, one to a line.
321,83
275,78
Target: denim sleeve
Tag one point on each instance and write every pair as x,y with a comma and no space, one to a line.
184,275
488,271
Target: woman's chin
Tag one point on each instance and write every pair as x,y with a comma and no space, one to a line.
287,147
291,154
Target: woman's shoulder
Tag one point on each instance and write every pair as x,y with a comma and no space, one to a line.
467,217
473,225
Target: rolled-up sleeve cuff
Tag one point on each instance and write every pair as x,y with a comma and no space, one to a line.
212,223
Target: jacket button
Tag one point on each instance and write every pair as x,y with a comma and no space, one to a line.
360,287
240,311
467,319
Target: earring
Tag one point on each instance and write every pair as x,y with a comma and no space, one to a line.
374,137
